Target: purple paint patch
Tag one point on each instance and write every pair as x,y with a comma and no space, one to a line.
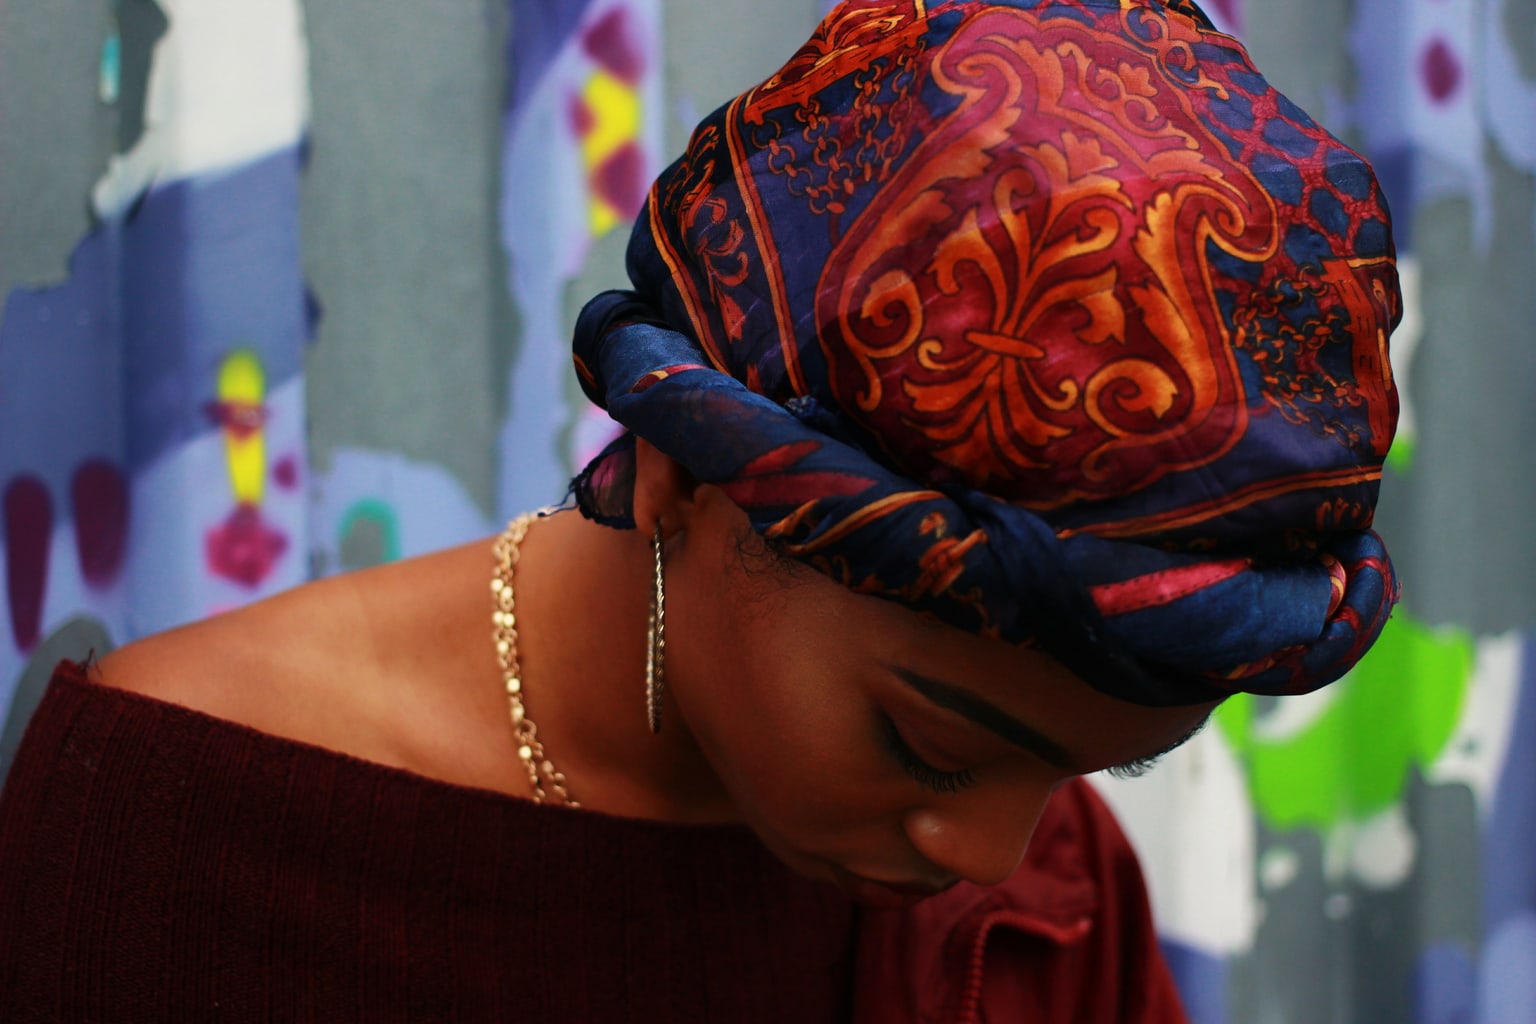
244,549
1445,986
204,260
1508,983
286,472
1202,980
28,531
611,41
1442,71
544,30
1508,986
620,179
99,494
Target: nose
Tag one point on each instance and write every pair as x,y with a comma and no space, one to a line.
978,837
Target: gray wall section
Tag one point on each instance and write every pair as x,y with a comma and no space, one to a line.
715,50
1300,46
1459,522
1359,948
1520,29
55,133
400,233
400,212
140,23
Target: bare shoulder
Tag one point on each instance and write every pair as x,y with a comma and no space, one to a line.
256,665
381,664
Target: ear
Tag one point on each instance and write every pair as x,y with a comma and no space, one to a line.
665,492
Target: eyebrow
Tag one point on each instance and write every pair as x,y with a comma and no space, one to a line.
989,716
997,721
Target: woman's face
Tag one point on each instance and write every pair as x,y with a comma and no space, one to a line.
864,742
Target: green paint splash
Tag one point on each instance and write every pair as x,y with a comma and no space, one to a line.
384,543
1400,455
1395,711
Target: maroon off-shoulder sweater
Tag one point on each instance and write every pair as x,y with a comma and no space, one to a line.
157,864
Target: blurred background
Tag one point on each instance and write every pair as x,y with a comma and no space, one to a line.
288,289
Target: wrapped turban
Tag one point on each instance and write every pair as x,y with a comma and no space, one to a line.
1051,319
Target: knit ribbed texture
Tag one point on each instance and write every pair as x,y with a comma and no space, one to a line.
157,864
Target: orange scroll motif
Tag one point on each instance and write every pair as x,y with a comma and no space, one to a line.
1025,306
851,36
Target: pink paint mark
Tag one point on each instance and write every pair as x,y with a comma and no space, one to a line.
240,419
286,472
613,43
581,117
594,432
620,179
28,531
99,495
244,549
1442,71
1227,15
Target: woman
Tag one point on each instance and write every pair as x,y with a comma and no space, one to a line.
1003,384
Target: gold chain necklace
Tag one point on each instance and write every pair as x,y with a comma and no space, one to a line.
546,779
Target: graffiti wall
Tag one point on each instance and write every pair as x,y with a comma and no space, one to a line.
152,403
288,292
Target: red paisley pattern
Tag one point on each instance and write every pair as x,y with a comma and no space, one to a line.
1071,194
1356,300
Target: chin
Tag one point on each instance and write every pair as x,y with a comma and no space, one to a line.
872,892
804,864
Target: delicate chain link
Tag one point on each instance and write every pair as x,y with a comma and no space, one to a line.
656,646
547,781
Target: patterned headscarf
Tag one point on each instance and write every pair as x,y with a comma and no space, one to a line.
1049,318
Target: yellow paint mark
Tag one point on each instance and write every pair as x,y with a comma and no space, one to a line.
615,111
242,391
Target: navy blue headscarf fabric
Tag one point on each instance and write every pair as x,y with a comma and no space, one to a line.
1051,319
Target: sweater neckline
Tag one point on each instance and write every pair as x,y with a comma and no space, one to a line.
72,675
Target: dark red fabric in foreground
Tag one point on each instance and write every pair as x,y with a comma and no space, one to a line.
162,865
157,864
1067,940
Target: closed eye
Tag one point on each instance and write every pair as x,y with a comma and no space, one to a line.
925,774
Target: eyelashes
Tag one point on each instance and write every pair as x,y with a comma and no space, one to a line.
1133,769
925,774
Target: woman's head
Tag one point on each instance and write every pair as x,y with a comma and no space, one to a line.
856,737
1051,320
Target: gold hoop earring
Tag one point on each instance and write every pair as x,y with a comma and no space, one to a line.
656,647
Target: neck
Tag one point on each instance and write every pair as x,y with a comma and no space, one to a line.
582,606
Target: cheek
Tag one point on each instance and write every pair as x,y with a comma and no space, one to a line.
780,716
